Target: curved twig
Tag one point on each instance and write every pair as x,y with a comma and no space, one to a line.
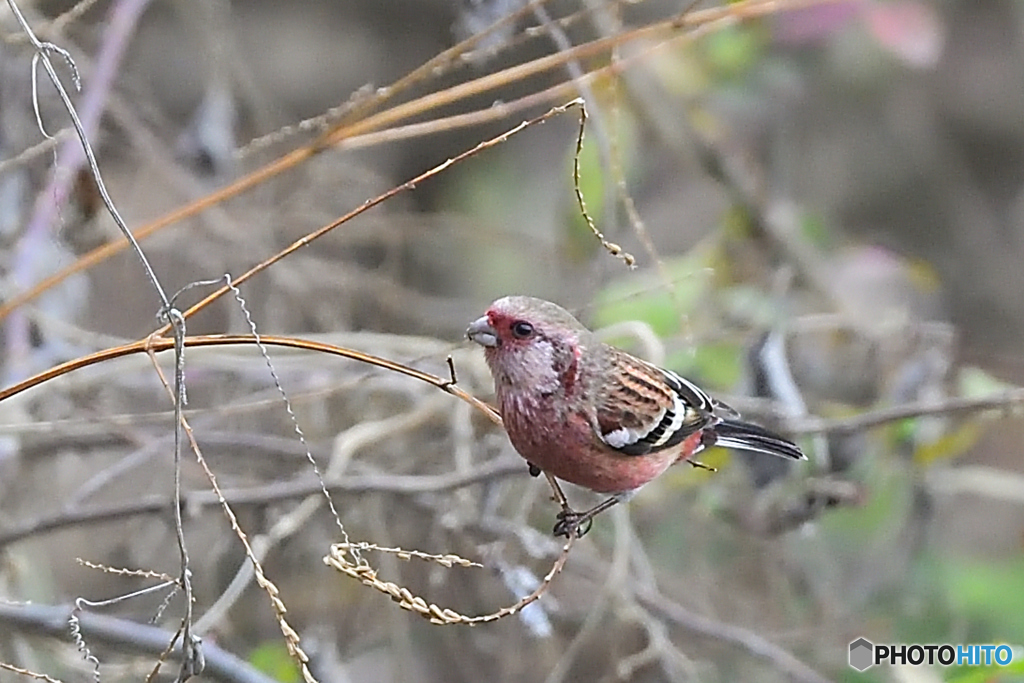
158,344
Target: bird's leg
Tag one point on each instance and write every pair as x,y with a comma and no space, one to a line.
556,491
571,522
708,437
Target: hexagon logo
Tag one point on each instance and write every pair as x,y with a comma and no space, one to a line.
862,654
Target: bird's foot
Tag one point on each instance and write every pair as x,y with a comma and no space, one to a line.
701,466
572,523
534,470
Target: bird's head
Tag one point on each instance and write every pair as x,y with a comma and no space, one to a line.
529,343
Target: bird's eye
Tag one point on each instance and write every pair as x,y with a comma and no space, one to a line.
522,329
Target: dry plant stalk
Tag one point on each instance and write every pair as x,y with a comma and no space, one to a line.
612,248
291,637
121,571
367,575
28,674
356,122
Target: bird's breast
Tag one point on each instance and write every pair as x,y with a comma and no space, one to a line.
562,442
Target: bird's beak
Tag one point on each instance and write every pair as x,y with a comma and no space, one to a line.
482,333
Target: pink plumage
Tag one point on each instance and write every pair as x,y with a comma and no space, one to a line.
592,414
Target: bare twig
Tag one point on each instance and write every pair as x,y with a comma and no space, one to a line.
602,132
52,621
347,444
58,24
367,99
276,492
614,587
978,480
1007,403
666,30
610,247
38,149
121,571
747,640
123,18
157,344
666,608
296,428
192,662
370,203
338,558
27,673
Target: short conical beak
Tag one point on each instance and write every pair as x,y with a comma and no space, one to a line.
482,333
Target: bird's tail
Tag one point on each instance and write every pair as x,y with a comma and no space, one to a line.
750,437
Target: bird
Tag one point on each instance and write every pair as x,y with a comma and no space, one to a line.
594,415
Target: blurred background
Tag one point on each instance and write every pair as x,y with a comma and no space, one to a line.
826,208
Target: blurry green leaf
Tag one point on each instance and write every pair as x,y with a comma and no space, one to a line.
903,431
483,188
272,659
986,674
923,276
733,51
850,675
976,383
990,594
949,446
680,71
717,365
816,230
736,222
887,504
648,298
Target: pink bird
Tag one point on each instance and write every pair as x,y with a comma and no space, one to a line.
592,414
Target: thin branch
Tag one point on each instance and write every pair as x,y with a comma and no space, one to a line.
1007,403
347,444
338,558
38,149
277,492
745,639
27,673
365,100
667,30
978,480
123,635
379,199
122,20
162,344
656,602
192,660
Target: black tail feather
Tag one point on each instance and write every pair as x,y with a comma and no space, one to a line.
750,437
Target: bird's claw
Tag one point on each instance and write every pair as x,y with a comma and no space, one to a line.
571,522
701,466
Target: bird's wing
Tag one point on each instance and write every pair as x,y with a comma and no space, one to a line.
642,408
